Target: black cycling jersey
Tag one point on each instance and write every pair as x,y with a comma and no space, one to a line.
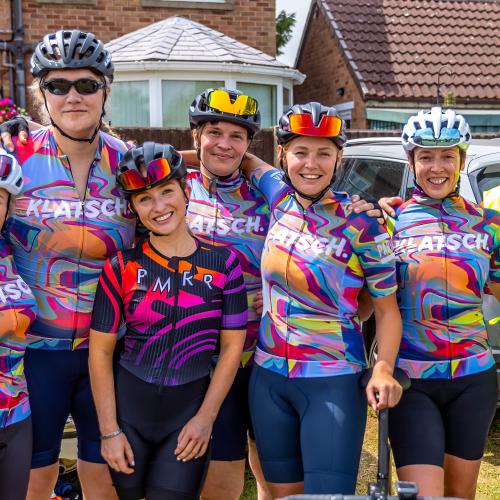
174,309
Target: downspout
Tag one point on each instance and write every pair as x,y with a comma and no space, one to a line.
18,50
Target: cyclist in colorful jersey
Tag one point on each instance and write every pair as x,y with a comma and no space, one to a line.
225,210
308,409
17,312
68,218
447,248
179,298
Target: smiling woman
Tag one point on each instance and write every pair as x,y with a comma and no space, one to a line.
447,252
71,213
180,298
318,256
437,170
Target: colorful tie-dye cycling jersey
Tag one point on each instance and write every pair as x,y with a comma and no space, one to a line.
235,215
314,265
446,251
60,242
174,309
17,312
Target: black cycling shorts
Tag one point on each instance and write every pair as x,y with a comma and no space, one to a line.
233,424
152,419
16,442
443,416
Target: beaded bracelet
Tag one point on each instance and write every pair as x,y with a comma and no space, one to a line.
111,435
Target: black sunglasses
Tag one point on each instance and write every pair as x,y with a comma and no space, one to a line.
84,86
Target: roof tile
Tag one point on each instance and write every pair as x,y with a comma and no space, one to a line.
400,46
179,39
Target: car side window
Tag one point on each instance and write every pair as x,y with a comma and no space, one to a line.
371,178
488,178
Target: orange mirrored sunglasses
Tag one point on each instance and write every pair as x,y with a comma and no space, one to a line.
329,126
157,170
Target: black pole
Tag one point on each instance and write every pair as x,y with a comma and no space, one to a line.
438,91
18,45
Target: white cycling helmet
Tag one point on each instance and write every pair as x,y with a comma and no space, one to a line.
436,129
11,175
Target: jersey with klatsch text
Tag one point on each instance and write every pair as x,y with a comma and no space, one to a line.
60,242
315,262
233,214
446,251
17,313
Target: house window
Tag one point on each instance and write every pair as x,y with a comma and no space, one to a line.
384,125
266,96
286,99
129,104
177,95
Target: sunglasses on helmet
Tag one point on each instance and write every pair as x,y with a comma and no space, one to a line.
61,86
302,124
156,171
220,100
447,137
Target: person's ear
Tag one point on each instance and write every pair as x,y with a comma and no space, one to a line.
187,193
411,162
194,134
281,154
131,206
463,156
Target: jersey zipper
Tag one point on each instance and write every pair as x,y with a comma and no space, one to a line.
173,264
289,258
445,275
82,207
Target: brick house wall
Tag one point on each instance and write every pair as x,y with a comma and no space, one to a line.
323,63
5,24
249,21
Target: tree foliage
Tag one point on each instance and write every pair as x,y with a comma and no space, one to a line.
284,26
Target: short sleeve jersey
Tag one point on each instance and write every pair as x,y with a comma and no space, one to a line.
60,242
446,252
314,265
173,308
235,215
17,312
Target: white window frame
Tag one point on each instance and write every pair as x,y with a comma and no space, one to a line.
155,78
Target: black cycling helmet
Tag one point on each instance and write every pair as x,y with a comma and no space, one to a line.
71,49
310,120
146,166
225,105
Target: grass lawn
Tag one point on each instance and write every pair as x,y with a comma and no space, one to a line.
489,477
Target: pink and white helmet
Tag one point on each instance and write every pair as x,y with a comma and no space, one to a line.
11,175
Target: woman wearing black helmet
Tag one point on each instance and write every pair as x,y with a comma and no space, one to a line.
307,407
68,218
179,299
